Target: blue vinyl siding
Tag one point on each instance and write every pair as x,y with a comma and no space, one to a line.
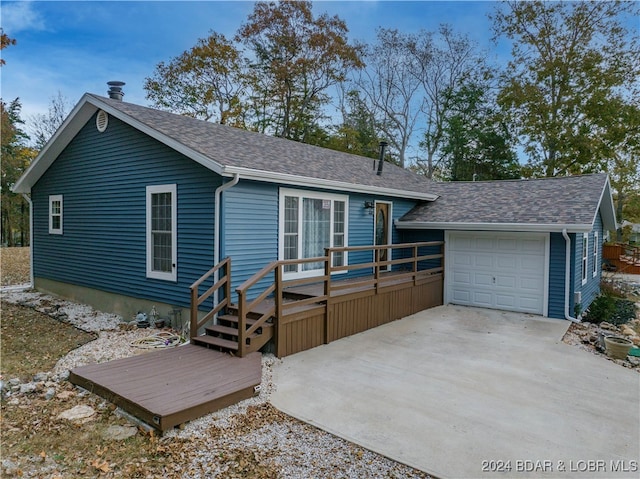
591,288
249,230
103,179
557,261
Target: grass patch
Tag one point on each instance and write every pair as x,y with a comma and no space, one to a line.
26,342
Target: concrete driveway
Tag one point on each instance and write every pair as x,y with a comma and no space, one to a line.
471,393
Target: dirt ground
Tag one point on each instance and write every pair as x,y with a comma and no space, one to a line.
256,441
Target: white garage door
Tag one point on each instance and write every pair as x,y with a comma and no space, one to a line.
497,270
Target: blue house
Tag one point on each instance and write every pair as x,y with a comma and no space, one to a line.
131,206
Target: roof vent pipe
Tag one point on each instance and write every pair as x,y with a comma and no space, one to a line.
383,144
115,90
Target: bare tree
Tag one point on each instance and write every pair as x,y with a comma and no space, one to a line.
441,67
391,89
43,126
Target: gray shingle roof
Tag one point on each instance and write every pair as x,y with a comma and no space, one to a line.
233,147
571,200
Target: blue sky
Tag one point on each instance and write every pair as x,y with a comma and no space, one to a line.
76,47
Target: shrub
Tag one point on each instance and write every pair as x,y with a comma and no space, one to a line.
625,311
601,309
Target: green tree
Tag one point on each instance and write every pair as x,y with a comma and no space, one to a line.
16,157
296,58
475,142
570,60
357,133
204,82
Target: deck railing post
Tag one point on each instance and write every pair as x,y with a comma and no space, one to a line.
227,286
278,294
242,322
328,265
193,319
415,264
376,271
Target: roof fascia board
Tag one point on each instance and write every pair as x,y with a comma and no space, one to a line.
534,228
284,178
56,144
605,204
161,137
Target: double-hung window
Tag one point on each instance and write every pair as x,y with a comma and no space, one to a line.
161,232
585,256
596,254
309,223
55,214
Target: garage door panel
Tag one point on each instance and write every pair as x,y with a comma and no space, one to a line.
497,270
507,244
484,244
463,259
462,296
506,262
482,299
462,277
506,281
505,301
482,279
483,261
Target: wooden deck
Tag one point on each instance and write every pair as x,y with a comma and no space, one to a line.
168,387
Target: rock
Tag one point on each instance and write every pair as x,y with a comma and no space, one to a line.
10,468
49,394
14,382
64,395
605,325
627,331
27,388
79,414
119,433
636,340
40,377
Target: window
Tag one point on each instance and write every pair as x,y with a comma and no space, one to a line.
161,232
595,254
309,223
55,214
585,256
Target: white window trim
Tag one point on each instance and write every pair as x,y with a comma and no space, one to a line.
300,194
173,275
52,199
595,254
585,257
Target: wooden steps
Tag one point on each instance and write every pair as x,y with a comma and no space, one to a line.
223,336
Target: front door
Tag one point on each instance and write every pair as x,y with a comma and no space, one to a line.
382,230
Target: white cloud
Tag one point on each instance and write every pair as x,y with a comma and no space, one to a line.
20,16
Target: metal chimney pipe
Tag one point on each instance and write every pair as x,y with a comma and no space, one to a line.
383,144
115,90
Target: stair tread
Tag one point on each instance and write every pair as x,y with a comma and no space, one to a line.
215,341
217,328
234,319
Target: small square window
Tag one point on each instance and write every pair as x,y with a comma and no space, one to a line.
55,214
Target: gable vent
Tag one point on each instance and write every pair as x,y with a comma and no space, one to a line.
102,120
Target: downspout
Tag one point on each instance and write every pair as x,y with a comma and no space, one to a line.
567,276
216,232
31,280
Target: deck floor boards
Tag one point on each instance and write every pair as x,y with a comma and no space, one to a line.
172,386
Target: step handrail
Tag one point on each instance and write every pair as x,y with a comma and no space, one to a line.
276,287
197,299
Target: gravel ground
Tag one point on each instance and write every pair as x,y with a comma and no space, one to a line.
280,445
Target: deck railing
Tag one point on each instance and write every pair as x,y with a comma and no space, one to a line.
198,299
274,291
390,264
